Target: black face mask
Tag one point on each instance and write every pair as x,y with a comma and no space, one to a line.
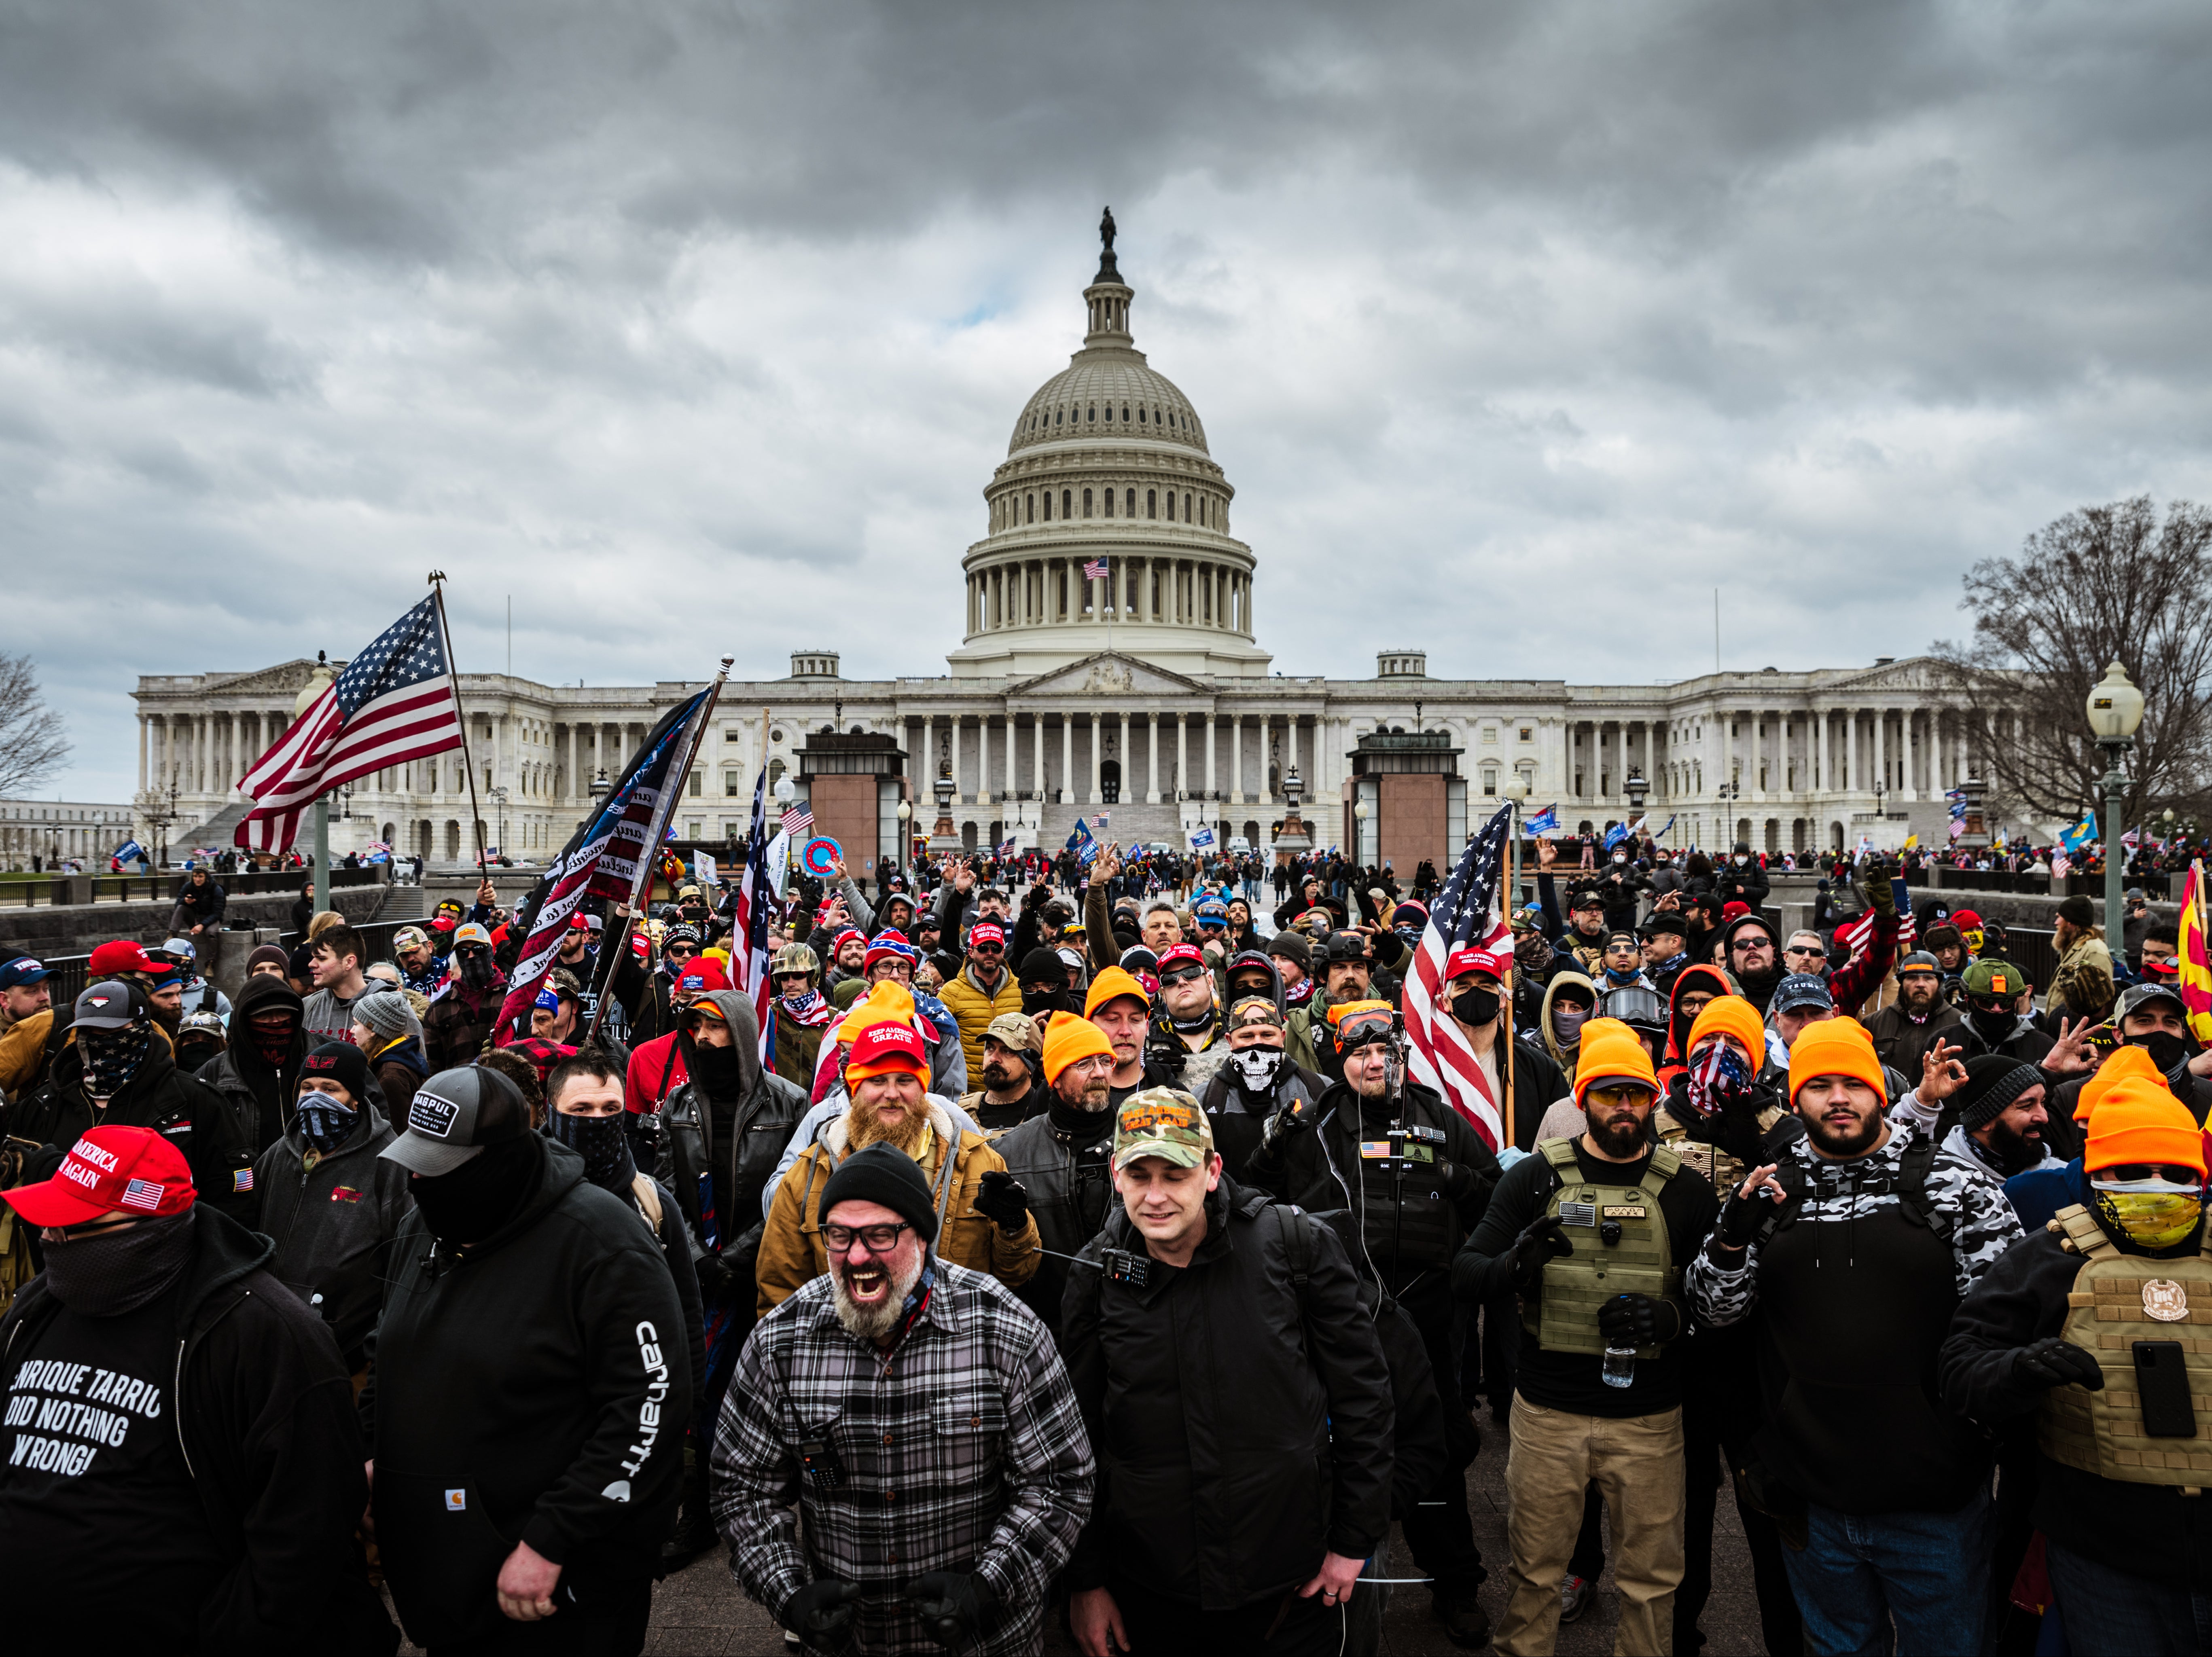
2167,1050
1991,1026
475,968
481,1195
1035,1001
600,1141
104,1276
1475,1006
716,1070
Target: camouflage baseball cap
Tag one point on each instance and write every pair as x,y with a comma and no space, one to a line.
1163,1122
1016,1031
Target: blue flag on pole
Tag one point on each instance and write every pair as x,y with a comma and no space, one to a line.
1080,842
1543,821
2081,833
130,852
1201,839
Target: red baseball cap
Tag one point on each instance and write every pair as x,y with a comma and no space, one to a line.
888,1046
1472,960
131,1169
986,932
702,973
1176,952
1733,911
120,955
580,922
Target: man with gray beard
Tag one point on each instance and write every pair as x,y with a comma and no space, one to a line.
917,1414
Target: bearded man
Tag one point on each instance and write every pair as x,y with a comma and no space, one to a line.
983,1220
1062,1161
1905,1030
935,1381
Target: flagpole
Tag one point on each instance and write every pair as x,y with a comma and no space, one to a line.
677,780
1513,972
452,683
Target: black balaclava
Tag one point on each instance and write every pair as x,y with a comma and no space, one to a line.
112,1058
476,966
1992,1025
119,1272
482,1194
716,1071
602,1143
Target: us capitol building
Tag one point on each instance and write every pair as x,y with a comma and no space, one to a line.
1145,695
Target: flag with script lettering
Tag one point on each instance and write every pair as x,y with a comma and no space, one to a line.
393,703
751,920
1466,915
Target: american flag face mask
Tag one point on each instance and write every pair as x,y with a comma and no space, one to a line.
1717,1072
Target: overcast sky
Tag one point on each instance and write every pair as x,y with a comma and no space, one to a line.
696,328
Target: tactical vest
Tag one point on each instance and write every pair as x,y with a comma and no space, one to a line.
1707,1161
1641,1261
1413,1226
2118,1300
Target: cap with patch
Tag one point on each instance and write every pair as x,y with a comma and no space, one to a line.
1182,954
986,932
1476,961
1995,975
2137,995
1163,1122
410,938
473,932
1016,1031
105,1006
131,1169
1919,961
1798,991
22,971
453,1116
1589,898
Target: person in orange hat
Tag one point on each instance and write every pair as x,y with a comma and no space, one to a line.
1061,1160
1846,1254
2080,1339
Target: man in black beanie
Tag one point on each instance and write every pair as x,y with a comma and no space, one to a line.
2004,1115
530,1329
1043,979
936,1381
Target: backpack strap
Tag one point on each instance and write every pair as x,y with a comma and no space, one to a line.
944,1194
648,1200
1912,1185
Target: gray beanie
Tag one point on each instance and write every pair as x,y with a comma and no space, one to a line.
388,1013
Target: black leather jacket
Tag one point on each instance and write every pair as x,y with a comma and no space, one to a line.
1071,1193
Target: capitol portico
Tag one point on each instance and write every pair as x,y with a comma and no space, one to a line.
1143,692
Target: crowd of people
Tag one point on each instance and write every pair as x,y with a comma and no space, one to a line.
1067,1243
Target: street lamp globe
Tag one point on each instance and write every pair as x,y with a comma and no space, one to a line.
784,791
1362,810
905,812
2116,706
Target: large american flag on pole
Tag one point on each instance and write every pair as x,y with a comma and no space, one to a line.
755,915
1467,914
601,859
394,702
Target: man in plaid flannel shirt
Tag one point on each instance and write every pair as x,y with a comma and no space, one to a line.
919,1415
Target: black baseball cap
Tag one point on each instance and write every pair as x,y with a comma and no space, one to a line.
453,1116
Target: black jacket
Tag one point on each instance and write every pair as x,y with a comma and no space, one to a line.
262,1408
1240,1431
260,1094
1071,1190
187,1112
2152,1531
1749,884
334,1224
543,1375
1239,1121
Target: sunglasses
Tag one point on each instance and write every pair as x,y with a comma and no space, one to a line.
2131,1171
1183,974
1618,1097
987,948
1804,949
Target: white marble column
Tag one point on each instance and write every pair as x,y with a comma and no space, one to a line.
1183,754
1152,722
1098,756
1236,758
1881,745
1207,726
1067,759
1007,793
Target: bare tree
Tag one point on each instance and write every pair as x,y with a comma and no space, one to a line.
33,742
2100,585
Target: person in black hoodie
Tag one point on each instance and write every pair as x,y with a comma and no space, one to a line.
528,1378
259,1073
183,1429
116,1069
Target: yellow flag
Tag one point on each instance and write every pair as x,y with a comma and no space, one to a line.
1911,840
2195,967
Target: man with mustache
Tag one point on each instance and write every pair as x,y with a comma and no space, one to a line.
920,1415
1590,1233
984,1221
1060,1158
1904,1030
1850,1252
462,1013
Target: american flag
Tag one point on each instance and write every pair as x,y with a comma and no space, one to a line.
1095,570
1466,913
601,859
755,912
393,703
798,820
141,1193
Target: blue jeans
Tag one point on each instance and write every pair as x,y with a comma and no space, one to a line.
2109,1611
1928,1572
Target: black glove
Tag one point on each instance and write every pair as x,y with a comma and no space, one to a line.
1284,1125
1002,1198
821,1607
2057,1362
715,1275
1166,1054
1458,1180
1539,1240
952,1604
1741,1216
1639,1321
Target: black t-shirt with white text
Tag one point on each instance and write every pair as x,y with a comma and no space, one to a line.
94,1490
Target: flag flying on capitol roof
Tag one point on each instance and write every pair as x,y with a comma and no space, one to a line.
393,703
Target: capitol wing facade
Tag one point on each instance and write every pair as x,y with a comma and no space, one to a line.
1110,665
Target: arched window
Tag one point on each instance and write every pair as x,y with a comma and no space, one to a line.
1109,411
1140,416
1094,411
1125,411
1032,500
1151,498
1129,502
1067,503
1109,494
1057,416
1047,506
1086,503
1186,506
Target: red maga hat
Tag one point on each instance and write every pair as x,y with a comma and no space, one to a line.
1472,960
133,1170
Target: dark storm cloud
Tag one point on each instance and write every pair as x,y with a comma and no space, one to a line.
646,313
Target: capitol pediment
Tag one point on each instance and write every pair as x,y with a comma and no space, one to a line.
1108,674
1914,675
285,679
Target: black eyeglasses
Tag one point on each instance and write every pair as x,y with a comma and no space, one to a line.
878,1238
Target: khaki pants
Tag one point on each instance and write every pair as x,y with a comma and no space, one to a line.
1637,1466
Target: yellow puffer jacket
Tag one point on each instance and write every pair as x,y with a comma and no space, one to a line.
791,1250
976,1008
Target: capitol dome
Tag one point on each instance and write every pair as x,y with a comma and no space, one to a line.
1107,461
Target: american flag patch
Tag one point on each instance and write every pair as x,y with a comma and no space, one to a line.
242,1181
141,1193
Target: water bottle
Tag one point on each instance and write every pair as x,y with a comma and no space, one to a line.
1619,1366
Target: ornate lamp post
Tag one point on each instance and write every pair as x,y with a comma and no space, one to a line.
2116,710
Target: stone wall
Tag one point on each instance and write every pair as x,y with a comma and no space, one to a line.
79,928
